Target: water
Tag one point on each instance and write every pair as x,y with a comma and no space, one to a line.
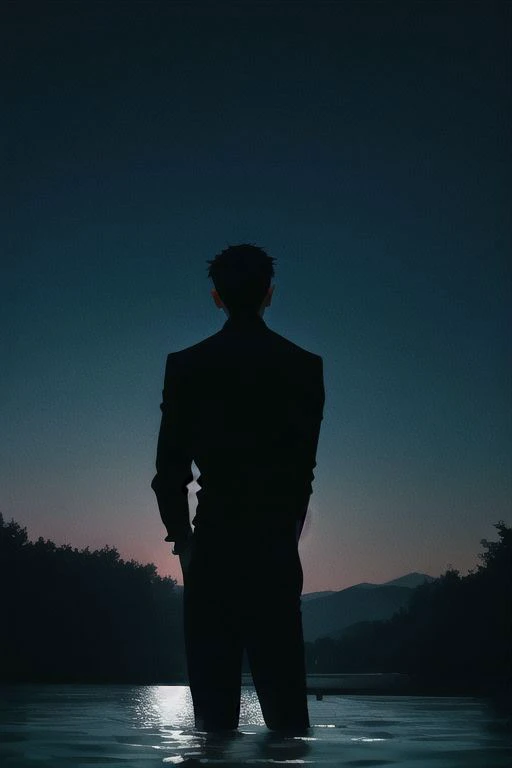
143,725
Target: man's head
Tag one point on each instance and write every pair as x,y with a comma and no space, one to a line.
241,275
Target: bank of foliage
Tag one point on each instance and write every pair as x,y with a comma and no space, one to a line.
456,629
72,615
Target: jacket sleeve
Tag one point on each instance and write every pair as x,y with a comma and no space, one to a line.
308,426
173,457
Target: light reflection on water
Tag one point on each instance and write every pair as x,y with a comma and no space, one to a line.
158,704
83,725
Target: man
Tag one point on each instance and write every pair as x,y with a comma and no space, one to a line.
246,405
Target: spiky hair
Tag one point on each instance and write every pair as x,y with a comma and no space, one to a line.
241,275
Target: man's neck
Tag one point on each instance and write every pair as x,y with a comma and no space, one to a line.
237,319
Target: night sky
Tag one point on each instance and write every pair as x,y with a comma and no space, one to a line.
366,146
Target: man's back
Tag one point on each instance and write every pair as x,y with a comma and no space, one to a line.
252,402
246,405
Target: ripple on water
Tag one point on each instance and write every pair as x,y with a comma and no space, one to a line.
139,726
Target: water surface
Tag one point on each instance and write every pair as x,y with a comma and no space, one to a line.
140,725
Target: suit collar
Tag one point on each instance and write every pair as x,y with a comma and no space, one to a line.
244,322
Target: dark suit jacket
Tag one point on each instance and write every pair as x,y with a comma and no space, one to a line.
246,405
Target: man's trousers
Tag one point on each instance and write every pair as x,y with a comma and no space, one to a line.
245,593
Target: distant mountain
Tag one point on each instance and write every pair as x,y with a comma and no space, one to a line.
367,585
314,595
328,614
411,580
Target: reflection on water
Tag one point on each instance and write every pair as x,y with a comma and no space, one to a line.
84,725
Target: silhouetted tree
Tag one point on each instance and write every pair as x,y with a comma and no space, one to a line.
75,615
455,631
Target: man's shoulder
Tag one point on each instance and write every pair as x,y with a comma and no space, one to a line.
293,348
202,347
273,342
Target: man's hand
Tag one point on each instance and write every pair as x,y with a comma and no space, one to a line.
185,558
184,552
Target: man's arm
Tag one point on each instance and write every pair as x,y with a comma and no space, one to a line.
173,459
308,433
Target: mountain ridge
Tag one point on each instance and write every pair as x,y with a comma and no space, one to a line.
328,614
410,580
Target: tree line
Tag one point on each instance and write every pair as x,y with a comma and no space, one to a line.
74,615
455,633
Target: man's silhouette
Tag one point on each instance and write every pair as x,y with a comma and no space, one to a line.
246,405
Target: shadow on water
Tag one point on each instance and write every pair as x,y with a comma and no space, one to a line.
246,747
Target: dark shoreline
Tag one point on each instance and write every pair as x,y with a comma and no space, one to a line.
385,684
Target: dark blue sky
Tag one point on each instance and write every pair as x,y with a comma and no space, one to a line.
366,146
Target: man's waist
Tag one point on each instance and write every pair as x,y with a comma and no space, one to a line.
225,513
217,529
267,493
